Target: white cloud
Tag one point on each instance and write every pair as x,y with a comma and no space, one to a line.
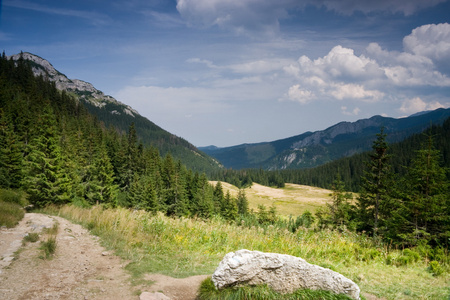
378,74
431,41
264,15
338,75
251,67
414,105
238,15
355,91
300,95
354,112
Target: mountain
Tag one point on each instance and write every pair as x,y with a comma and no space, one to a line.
119,115
312,149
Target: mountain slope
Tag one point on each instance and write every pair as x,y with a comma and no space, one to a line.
114,113
312,149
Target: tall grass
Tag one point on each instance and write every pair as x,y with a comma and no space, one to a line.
11,207
183,247
48,247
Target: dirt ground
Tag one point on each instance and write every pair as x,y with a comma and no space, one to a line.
80,269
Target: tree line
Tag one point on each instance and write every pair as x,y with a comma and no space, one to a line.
351,169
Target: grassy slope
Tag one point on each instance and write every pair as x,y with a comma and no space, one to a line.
293,199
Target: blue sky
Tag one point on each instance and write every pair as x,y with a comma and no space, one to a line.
226,72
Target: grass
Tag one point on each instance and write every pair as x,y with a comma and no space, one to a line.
48,247
207,291
11,207
10,214
32,237
185,247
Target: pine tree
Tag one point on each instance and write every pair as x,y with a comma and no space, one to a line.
11,161
230,209
425,197
204,199
219,200
337,213
373,202
242,203
103,176
44,164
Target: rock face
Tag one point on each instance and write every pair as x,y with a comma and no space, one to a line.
85,90
283,273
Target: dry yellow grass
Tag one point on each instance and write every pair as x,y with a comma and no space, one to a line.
293,199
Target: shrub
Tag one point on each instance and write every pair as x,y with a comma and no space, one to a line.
407,257
435,268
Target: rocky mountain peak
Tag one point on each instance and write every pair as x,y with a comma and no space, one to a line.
84,90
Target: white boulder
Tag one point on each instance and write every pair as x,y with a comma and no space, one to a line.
283,273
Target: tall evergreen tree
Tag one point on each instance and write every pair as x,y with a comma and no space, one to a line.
337,213
230,209
44,163
373,202
11,160
425,198
242,203
219,200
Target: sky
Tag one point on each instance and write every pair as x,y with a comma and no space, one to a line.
228,72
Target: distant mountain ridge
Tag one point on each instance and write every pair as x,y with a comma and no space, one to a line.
312,149
119,115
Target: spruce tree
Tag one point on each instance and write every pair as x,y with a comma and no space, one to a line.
242,203
219,200
230,209
11,161
44,163
426,197
373,202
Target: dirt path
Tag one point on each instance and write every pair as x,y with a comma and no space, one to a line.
80,268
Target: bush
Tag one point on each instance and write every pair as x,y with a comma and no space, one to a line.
435,268
407,257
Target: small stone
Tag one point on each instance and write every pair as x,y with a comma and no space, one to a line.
153,296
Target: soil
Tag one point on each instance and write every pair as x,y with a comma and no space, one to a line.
80,268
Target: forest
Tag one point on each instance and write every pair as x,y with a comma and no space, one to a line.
57,152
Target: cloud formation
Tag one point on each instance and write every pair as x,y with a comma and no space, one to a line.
371,77
265,15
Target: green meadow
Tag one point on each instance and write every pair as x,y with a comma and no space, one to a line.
182,247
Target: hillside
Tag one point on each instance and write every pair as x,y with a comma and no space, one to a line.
114,113
312,149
